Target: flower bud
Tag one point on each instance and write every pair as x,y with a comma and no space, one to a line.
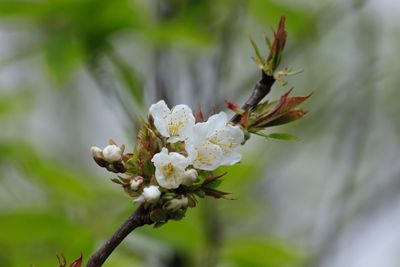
184,202
173,204
190,177
97,155
151,194
112,153
136,182
96,152
176,204
119,166
235,108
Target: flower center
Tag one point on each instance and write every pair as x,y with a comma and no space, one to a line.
204,156
174,128
214,140
168,169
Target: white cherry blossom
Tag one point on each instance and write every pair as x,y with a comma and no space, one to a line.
170,169
175,124
213,143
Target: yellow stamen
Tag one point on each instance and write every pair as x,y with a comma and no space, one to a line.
174,128
169,169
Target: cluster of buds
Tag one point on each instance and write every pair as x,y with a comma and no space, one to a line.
111,157
174,161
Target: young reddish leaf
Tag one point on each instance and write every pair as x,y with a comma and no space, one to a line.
235,108
215,193
285,107
287,103
209,180
286,118
77,262
277,46
262,107
199,115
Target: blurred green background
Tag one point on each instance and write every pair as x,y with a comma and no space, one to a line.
74,73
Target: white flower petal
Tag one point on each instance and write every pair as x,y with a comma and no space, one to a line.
208,156
216,121
200,131
161,158
213,142
182,116
174,139
179,160
190,148
112,153
176,124
228,137
161,115
190,177
231,158
170,168
136,182
151,193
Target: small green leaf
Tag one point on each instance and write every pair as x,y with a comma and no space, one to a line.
212,179
214,184
258,59
268,42
115,180
279,136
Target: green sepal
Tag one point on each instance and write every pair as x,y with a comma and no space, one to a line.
177,215
278,136
214,184
158,215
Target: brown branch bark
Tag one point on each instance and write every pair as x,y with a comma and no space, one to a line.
138,218
261,89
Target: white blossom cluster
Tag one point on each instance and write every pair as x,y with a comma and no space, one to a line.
203,146
208,145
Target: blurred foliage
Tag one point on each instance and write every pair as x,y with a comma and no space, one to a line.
50,205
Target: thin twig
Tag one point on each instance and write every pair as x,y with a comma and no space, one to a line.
138,218
262,88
